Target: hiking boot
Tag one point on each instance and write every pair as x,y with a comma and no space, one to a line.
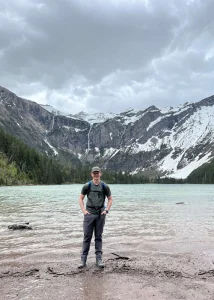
82,264
100,263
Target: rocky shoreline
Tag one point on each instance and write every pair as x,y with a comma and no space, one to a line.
159,276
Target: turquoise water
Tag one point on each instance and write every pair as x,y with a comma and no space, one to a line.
142,217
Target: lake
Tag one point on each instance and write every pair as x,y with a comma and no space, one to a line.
143,217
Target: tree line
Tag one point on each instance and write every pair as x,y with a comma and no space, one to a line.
35,167
203,174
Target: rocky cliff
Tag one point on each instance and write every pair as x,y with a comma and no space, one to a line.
171,141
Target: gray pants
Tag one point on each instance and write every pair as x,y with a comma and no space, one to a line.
93,223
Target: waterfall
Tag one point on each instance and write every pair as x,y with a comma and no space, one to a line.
52,122
89,136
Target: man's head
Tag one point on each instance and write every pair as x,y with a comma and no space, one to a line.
96,173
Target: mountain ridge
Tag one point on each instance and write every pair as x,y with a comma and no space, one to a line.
155,142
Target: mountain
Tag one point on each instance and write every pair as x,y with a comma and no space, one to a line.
155,142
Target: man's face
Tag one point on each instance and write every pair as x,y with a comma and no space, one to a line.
96,175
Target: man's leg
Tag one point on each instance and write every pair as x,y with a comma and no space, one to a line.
99,225
88,225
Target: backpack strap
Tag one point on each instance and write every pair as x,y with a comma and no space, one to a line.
104,188
89,188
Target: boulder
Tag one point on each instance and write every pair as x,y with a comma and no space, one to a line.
20,226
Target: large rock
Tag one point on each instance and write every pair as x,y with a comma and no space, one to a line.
20,226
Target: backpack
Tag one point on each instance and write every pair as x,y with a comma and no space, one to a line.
104,188
104,191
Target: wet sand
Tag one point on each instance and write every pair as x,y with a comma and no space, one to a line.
131,275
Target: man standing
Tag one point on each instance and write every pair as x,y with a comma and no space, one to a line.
94,214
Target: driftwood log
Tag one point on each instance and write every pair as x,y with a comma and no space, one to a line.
118,257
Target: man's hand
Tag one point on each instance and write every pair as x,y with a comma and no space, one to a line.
104,212
81,203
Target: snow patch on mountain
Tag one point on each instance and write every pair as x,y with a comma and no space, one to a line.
155,122
174,110
184,172
195,128
127,119
52,110
109,152
54,150
152,144
93,118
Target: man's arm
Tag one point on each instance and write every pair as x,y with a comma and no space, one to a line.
81,203
110,200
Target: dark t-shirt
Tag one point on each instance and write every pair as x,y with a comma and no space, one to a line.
96,196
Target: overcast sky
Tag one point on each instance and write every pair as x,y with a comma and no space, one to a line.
107,55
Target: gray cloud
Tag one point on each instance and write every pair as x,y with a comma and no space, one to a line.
107,55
